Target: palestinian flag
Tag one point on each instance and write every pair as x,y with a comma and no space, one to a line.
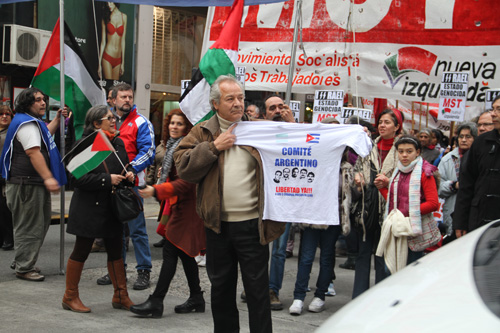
88,154
220,59
82,90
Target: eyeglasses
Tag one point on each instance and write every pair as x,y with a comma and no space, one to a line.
496,110
110,118
465,136
5,114
484,124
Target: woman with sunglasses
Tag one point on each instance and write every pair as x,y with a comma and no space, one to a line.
91,215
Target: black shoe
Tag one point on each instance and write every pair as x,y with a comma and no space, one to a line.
7,246
160,243
289,254
142,281
153,306
104,280
195,302
350,263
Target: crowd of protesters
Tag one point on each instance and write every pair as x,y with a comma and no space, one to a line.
211,195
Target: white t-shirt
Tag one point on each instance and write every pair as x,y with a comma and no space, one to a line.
301,165
29,135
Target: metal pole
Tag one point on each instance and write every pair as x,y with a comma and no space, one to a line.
427,116
291,69
61,131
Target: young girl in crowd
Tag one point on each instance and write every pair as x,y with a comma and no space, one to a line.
413,191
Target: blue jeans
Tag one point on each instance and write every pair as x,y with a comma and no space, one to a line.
326,238
278,258
139,236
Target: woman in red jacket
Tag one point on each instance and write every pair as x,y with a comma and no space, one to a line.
184,230
414,187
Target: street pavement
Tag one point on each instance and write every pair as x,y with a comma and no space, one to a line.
36,306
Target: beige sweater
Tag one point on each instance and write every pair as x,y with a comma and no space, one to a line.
239,199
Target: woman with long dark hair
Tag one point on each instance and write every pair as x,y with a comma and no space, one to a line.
184,230
374,172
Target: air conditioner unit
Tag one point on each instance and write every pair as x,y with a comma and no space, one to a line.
23,45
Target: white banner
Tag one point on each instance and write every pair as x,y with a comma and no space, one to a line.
373,48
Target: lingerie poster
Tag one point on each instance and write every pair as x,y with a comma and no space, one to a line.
106,39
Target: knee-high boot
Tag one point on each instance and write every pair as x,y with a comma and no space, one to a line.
117,274
71,300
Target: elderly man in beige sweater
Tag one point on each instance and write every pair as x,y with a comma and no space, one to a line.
230,196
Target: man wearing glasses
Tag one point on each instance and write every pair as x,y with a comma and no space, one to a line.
478,199
484,122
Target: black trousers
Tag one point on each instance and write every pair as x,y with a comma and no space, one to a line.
170,257
238,243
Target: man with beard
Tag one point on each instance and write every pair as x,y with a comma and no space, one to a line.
32,167
277,110
137,133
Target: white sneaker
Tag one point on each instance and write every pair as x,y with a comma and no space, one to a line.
202,262
331,290
317,305
296,307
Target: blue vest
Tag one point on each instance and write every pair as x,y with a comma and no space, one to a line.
56,166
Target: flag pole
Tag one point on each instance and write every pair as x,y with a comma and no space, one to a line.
61,131
298,14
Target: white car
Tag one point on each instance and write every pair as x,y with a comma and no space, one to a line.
454,289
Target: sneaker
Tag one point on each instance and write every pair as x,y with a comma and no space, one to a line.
275,301
331,290
317,305
104,280
31,276
142,281
202,262
296,307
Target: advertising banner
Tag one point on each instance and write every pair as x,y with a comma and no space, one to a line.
107,42
378,48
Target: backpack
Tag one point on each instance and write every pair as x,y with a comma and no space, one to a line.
367,207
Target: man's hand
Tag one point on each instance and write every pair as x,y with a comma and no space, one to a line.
225,140
287,114
381,181
51,185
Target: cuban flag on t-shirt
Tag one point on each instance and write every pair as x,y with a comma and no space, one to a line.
312,138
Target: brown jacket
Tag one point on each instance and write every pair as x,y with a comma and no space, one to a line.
198,161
